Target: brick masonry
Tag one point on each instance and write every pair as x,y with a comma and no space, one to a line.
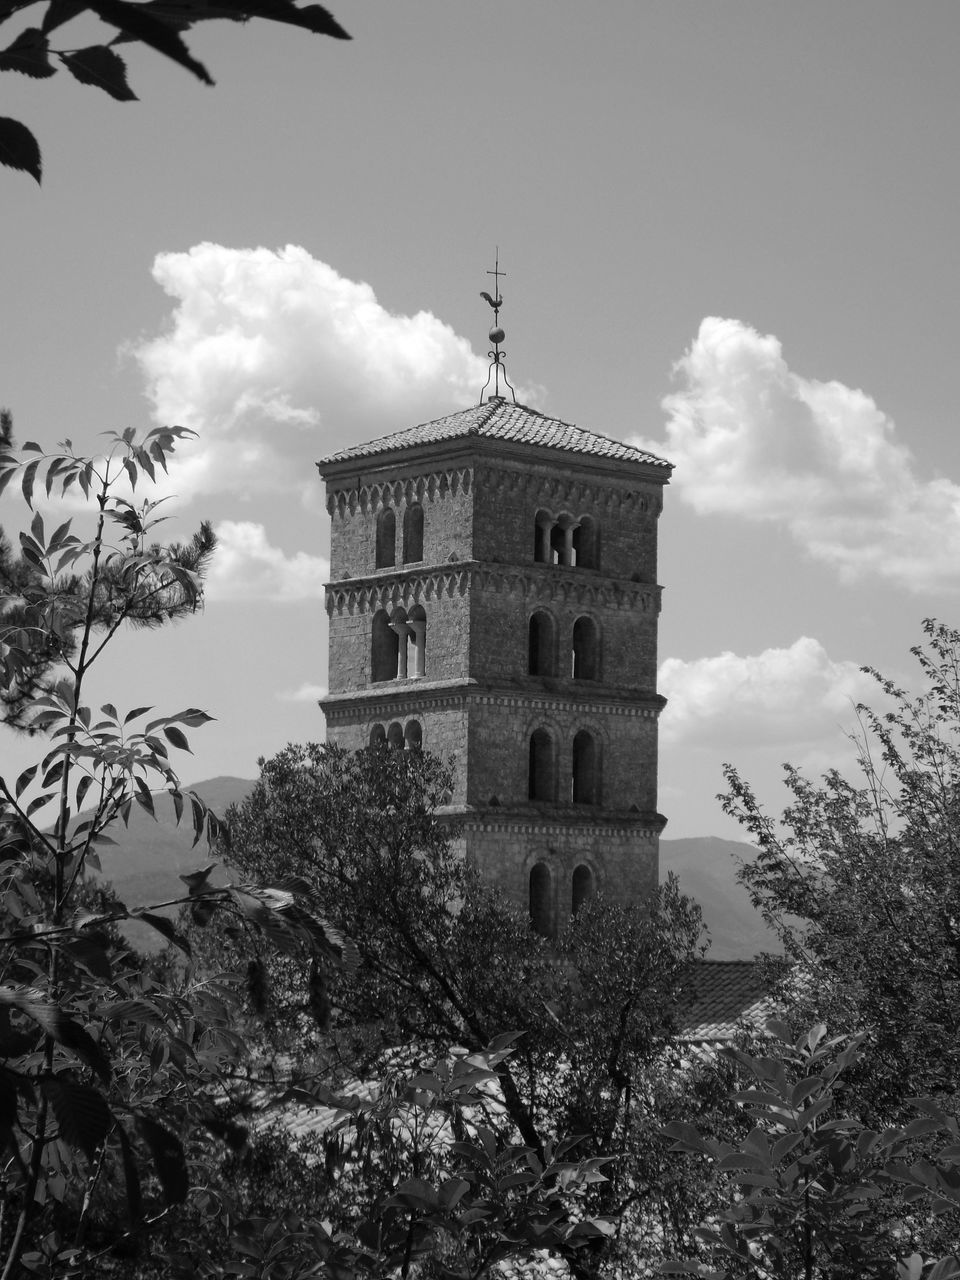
478,584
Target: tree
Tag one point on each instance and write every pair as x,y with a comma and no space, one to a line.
160,24
445,961
862,882
811,1192
102,1065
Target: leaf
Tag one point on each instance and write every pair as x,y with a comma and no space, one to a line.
131,1176
29,471
168,1158
137,711
196,881
28,54
25,779
82,1114
177,737
137,24
59,1026
92,954
165,927
59,12
313,17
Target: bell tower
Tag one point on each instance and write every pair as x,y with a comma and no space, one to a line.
494,600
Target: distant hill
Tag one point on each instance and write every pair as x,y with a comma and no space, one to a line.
706,867
149,857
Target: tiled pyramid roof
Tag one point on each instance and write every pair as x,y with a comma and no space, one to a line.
725,994
495,419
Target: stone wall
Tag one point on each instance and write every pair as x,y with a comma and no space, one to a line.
479,581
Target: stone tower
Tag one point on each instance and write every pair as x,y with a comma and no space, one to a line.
494,599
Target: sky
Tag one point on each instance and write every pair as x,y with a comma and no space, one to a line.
729,233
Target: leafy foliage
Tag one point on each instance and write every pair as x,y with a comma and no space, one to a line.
159,24
445,960
862,882
811,1191
106,1072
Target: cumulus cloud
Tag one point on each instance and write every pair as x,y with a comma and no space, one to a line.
246,568
275,359
780,696
305,693
754,439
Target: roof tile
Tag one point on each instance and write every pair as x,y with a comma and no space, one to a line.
495,419
726,993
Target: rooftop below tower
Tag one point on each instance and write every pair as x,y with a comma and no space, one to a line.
496,419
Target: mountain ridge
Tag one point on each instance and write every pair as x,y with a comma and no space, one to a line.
149,857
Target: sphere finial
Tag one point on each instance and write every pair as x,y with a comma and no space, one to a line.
496,356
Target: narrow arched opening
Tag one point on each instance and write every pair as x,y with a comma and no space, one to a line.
395,736
541,537
585,777
413,534
413,736
540,646
384,649
540,778
586,544
585,650
417,623
386,539
541,914
378,736
582,889
558,545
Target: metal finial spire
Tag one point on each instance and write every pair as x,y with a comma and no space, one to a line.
497,357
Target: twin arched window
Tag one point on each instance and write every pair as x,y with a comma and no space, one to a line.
566,540
584,659
398,645
386,553
541,897
398,737
585,772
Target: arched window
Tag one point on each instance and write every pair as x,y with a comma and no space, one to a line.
585,780
586,544
417,624
386,539
540,778
413,533
582,889
585,655
413,735
557,545
541,914
541,537
395,736
378,736
384,646
540,649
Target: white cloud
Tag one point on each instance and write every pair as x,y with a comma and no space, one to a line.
246,567
780,696
305,693
754,439
275,359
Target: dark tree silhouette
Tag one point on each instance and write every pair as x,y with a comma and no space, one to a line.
161,24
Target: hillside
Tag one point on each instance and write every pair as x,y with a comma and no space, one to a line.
145,864
706,867
148,858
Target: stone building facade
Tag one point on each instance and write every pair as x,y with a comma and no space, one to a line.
494,600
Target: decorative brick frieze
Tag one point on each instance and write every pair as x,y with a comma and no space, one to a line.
545,584
372,496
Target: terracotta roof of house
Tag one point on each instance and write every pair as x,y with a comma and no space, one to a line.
495,419
726,994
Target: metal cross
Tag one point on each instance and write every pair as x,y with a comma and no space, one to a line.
497,273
